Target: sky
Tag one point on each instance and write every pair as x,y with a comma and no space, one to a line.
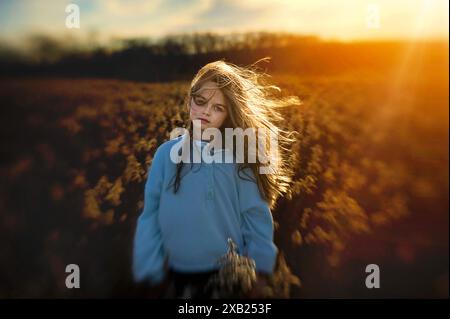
344,20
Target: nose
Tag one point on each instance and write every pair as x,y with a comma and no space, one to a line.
207,109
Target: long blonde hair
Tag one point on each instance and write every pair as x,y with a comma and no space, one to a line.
251,103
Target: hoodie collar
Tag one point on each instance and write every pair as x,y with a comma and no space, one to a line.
219,155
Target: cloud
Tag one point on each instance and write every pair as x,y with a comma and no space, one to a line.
140,19
342,19
130,8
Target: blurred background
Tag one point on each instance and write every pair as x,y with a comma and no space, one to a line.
89,90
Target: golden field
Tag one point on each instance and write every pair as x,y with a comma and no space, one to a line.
371,182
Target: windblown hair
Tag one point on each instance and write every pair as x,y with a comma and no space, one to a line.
251,102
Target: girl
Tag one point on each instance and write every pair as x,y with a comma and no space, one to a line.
191,208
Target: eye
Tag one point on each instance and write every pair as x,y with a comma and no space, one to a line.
199,100
219,108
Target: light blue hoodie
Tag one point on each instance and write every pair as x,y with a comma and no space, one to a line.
190,229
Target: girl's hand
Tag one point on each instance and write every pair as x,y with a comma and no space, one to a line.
258,289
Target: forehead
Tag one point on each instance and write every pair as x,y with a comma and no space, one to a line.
210,89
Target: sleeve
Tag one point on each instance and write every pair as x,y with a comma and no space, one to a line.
257,224
148,251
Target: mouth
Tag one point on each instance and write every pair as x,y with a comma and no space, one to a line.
203,120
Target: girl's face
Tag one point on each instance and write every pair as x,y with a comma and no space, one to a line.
208,105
